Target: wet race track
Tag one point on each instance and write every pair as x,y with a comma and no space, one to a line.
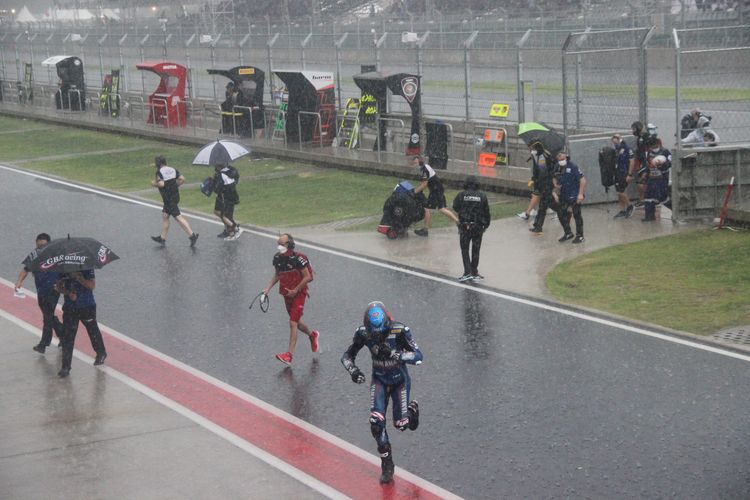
517,399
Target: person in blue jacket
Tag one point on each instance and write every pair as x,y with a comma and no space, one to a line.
572,185
46,296
392,347
79,306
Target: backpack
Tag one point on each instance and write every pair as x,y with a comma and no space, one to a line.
234,174
608,166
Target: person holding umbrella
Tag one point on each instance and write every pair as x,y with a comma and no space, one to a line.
168,180
75,259
46,296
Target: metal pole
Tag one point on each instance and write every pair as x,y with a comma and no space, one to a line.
678,163
18,58
378,44
643,76
122,64
302,48
143,77
269,46
338,44
467,73
578,91
191,90
520,91
101,59
564,87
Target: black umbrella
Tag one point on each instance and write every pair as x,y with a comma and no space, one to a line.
67,255
220,152
533,132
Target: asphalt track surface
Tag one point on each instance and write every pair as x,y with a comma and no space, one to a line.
518,398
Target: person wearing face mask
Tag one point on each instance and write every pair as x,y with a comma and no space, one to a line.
572,185
293,272
542,174
642,135
656,172
624,159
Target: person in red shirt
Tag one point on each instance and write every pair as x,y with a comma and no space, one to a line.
293,273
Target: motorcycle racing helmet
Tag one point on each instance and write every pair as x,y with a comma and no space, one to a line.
377,318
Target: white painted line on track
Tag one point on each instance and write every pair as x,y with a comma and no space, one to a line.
220,431
393,267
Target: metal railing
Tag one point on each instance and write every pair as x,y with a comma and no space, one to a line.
319,123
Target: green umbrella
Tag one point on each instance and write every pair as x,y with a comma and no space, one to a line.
529,126
533,132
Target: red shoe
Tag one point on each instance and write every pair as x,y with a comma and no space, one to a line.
285,357
314,340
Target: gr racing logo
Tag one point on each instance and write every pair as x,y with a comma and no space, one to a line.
410,86
62,259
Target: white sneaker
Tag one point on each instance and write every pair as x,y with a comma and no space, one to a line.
523,215
533,212
232,236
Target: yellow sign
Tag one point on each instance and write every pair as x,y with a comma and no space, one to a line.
499,110
246,71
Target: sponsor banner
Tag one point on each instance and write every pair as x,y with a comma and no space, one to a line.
410,87
320,79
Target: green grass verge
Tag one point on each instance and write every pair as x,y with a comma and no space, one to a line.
654,92
697,281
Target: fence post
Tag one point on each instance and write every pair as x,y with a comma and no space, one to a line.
421,42
101,60
241,46
213,62
338,44
18,58
379,44
568,39
2,53
31,52
191,90
467,72
643,76
269,46
302,48
123,68
677,164
520,91
143,77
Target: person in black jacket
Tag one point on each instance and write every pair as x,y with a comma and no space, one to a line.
473,219
225,187
542,174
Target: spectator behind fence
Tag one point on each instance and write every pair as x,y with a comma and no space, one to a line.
696,137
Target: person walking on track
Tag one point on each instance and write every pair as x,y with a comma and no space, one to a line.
293,272
169,180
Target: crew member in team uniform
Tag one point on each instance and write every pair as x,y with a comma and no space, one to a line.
79,306
473,211
46,297
656,173
169,180
293,273
436,199
225,187
392,347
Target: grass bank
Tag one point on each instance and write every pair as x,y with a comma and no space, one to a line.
697,281
273,192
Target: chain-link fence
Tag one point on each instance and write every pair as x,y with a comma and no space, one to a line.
712,74
604,79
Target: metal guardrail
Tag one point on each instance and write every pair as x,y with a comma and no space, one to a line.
299,126
485,126
385,119
152,106
70,102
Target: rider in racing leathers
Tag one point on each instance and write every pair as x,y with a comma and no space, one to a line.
392,347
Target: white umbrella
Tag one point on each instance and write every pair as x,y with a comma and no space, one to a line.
219,153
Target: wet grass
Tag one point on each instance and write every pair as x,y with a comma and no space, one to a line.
654,92
697,281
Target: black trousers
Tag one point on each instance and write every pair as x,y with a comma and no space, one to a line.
71,317
564,215
47,304
545,201
470,240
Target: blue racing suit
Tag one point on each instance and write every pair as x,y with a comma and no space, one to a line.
657,181
391,351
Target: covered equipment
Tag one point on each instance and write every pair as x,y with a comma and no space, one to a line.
71,93
402,208
167,102
310,92
242,111
406,85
